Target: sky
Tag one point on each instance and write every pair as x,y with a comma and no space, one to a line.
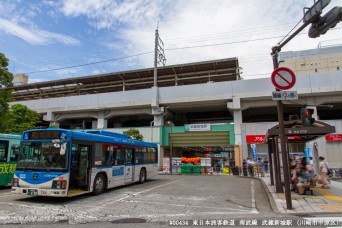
58,39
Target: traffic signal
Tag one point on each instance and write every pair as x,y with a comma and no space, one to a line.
306,116
323,24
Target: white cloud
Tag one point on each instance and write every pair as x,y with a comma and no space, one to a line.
108,13
35,36
221,29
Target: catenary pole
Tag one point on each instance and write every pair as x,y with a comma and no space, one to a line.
155,59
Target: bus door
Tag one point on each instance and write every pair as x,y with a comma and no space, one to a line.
80,162
129,167
4,165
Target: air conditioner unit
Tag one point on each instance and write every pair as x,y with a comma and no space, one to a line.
293,117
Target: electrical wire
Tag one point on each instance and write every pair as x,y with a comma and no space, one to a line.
234,42
87,64
168,49
146,47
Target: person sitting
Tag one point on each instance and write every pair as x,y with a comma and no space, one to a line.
303,181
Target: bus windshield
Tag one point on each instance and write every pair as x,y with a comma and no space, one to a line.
42,156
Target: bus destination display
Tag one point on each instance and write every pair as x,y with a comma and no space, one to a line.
44,135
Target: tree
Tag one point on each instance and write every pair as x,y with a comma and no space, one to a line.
6,79
134,134
19,118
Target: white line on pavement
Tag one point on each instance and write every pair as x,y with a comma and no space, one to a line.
254,210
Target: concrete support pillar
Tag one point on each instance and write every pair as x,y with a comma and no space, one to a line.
54,124
160,158
235,107
94,124
101,121
157,112
237,126
158,121
52,118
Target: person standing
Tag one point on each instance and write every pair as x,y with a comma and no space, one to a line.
244,167
250,167
323,173
311,168
266,165
261,167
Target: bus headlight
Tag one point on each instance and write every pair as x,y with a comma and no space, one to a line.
15,182
59,184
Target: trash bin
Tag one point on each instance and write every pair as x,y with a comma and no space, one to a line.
191,169
235,170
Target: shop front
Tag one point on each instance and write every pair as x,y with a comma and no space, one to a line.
257,148
198,148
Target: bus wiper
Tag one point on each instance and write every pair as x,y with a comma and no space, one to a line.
44,165
28,165
42,161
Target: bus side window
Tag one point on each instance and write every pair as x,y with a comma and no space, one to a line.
3,151
129,156
120,157
14,153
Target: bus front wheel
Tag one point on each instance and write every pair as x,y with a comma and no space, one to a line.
99,184
142,176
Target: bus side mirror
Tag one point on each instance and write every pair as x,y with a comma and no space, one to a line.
56,145
63,149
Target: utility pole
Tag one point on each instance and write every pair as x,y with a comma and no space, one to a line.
159,56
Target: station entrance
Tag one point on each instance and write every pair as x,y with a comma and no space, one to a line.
201,151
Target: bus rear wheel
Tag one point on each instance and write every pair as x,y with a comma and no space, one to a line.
142,176
99,184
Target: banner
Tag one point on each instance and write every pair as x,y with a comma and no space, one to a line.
254,152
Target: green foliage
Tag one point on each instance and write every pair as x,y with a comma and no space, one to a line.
19,118
6,79
133,134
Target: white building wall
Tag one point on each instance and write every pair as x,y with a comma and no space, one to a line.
332,151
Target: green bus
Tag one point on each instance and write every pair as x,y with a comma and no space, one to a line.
9,149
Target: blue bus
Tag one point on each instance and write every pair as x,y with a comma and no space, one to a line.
64,163
9,148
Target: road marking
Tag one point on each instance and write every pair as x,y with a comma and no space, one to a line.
137,193
147,190
87,215
6,195
254,210
33,206
186,205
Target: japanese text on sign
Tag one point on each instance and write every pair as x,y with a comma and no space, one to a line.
284,95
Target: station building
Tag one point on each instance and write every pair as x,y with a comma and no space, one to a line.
194,109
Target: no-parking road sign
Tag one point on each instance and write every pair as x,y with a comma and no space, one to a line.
283,78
